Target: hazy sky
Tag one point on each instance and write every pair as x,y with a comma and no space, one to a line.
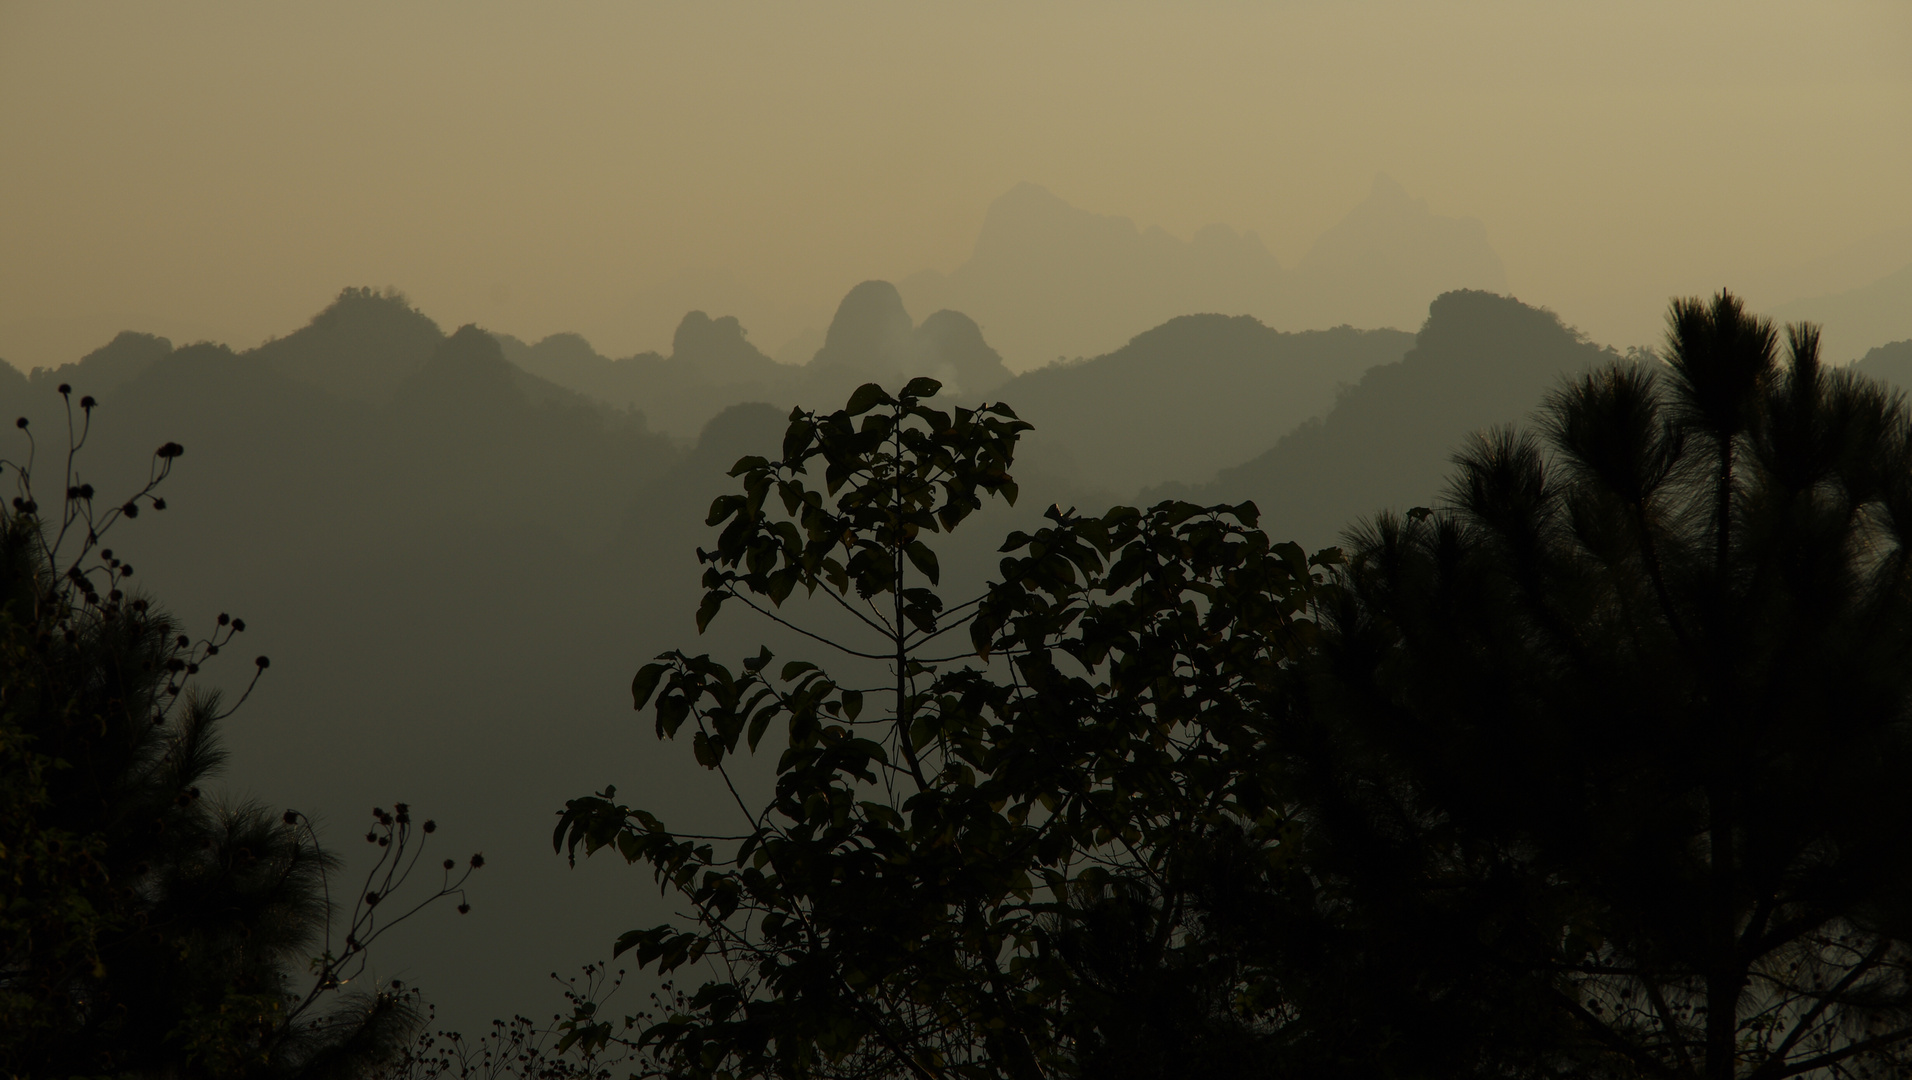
224,168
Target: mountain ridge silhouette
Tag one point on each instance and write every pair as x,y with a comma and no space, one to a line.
456,575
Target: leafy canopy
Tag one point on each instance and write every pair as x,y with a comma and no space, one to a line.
914,896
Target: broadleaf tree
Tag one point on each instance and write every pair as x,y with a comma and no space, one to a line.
962,868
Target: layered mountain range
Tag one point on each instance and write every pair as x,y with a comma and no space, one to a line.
457,547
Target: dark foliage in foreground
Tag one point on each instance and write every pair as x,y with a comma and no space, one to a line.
147,927
1593,773
1630,722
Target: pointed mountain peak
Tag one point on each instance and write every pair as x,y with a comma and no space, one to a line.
872,331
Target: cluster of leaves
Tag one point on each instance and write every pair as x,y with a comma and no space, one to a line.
145,926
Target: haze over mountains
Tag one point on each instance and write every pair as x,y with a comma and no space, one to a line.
1861,318
1047,279
457,547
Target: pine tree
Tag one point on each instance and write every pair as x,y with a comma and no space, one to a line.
1612,750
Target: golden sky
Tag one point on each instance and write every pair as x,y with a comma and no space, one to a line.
222,169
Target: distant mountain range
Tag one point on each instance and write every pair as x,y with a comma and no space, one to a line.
713,364
436,535
1047,279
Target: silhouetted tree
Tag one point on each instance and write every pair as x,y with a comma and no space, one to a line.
996,875
1608,771
148,928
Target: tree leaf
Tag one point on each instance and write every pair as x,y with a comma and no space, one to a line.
925,560
645,684
707,610
922,387
867,397
707,753
758,724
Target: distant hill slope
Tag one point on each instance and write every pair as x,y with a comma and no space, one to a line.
1380,265
109,366
1480,360
1858,319
1189,397
361,347
1889,363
